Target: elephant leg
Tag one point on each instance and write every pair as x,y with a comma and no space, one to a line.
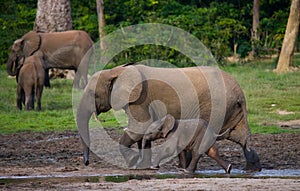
32,99
47,78
83,73
19,97
188,156
214,154
85,80
77,79
39,92
130,156
83,69
145,155
165,152
28,96
185,158
193,164
241,135
27,101
182,159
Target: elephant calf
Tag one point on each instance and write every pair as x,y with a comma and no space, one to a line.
30,83
184,137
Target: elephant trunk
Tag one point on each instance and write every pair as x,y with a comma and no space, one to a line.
82,118
12,64
144,142
130,156
145,160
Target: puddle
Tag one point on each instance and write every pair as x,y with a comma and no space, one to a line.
263,173
235,173
278,173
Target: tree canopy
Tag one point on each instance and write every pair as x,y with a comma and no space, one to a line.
220,25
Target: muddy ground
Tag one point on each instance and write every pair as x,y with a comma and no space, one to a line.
59,154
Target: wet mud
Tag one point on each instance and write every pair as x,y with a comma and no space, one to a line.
53,161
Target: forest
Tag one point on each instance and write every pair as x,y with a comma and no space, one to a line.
224,27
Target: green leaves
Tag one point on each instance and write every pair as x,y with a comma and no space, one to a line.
218,24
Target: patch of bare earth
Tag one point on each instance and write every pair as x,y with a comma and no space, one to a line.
53,154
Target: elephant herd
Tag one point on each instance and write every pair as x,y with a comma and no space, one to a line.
191,108
35,53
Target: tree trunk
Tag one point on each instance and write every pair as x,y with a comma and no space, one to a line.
255,28
101,22
54,16
290,38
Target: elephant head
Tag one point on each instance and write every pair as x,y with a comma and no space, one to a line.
106,89
23,47
159,129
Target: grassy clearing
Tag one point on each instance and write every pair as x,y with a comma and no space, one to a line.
56,111
266,94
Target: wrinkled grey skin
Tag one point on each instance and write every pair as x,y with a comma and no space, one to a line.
30,83
64,50
147,94
182,136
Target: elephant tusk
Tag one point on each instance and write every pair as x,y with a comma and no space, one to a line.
220,135
96,117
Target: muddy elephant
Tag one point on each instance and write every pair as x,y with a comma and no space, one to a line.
63,50
30,79
183,137
150,93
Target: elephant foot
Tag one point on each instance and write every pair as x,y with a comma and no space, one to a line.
136,167
252,168
228,169
188,171
143,165
154,167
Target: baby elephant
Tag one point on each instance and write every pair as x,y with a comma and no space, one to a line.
182,136
30,83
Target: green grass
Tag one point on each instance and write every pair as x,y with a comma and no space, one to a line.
265,92
56,115
56,111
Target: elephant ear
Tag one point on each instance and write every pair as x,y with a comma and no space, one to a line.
168,124
18,45
127,87
32,42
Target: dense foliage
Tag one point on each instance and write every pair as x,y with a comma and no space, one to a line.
218,24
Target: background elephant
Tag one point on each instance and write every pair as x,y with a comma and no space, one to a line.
183,136
148,94
30,82
64,50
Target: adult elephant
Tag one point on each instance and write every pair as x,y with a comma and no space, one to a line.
63,50
148,93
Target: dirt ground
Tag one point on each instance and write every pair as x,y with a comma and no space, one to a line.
59,155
